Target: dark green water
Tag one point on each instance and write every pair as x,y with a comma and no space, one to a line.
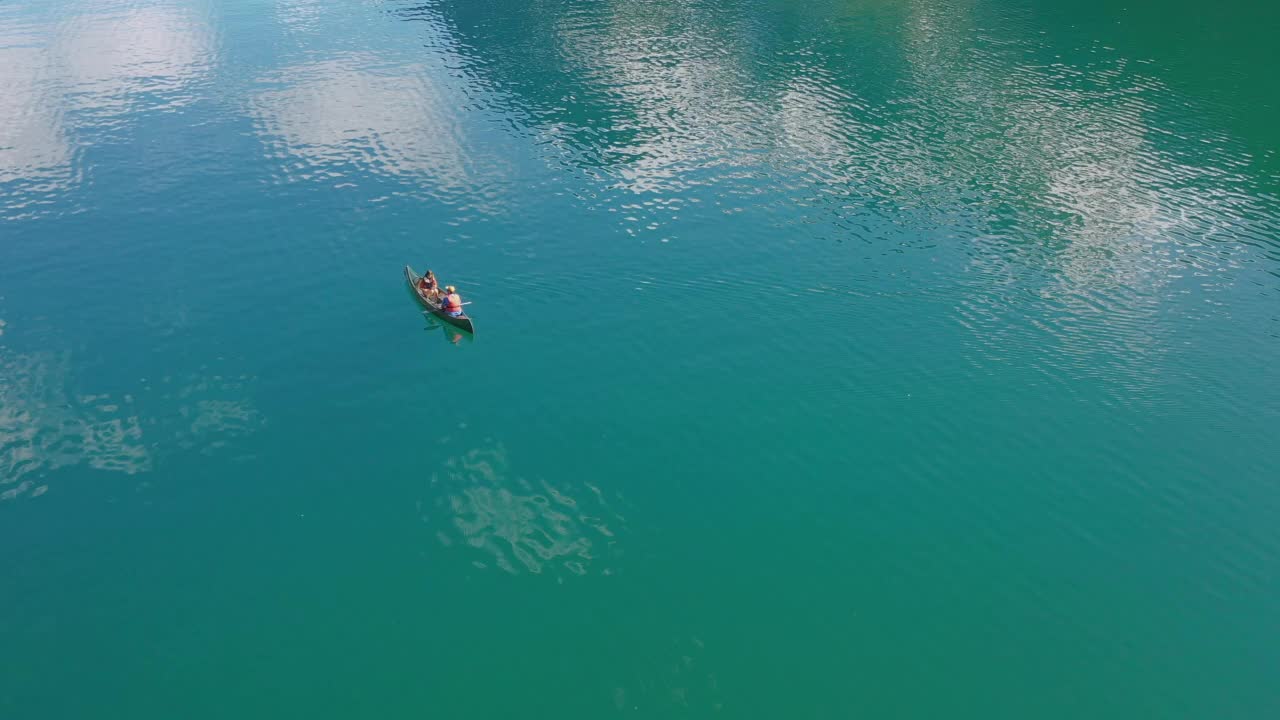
839,359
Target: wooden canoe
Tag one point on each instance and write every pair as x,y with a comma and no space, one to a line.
462,321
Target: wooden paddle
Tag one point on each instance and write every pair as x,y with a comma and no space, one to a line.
428,312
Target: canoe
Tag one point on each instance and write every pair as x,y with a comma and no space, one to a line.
462,321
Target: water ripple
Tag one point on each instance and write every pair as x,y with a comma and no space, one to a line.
518,525
336,119
72,82
45,426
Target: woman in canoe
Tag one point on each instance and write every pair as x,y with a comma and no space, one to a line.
428,284
451,303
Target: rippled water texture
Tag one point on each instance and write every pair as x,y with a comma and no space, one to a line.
835,359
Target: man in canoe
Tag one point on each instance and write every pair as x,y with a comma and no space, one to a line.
451,303
428,284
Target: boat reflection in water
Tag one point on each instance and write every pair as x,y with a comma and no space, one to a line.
455,336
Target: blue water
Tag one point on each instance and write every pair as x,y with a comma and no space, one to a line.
832,360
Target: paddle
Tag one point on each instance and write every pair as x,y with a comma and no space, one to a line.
428,312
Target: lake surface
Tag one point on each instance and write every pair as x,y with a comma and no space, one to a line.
838,359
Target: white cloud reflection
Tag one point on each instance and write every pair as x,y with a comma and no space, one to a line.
688,109
58,80
45,426
33,140
299,14
339,112
518,525
1063,154
110,57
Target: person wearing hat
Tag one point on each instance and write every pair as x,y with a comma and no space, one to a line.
451,303
428,284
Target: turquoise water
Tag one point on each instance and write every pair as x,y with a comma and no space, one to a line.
840,359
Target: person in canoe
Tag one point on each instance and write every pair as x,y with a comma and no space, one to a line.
429,285
451,303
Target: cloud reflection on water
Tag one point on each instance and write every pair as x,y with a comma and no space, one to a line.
299,14
351,114
45,426
519,525
1066,174
66,81
662,98
33,139
110,58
